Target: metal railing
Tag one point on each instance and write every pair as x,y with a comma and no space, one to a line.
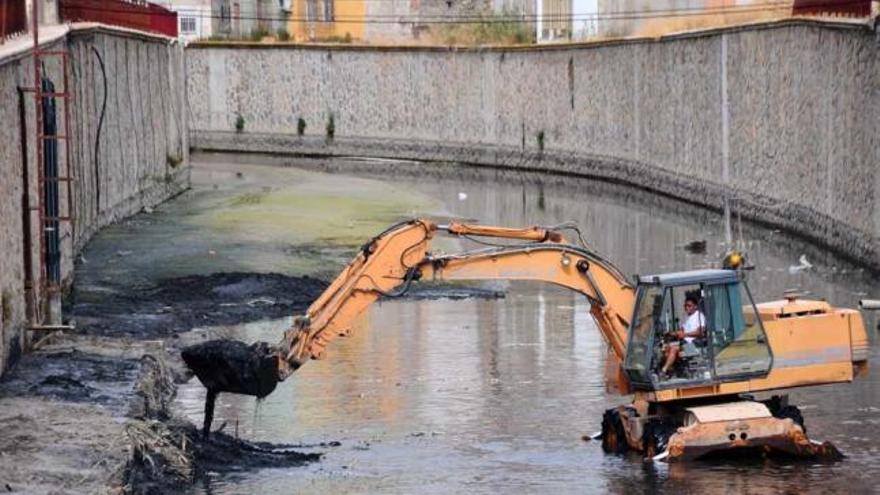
834,8
13,19
133,14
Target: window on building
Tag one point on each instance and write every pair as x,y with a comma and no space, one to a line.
225,25
311,10
188,25
236,16
328,10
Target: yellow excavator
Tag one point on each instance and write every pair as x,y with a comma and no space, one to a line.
697,403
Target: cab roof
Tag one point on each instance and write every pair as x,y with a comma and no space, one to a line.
707,276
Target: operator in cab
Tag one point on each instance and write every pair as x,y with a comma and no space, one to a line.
694,326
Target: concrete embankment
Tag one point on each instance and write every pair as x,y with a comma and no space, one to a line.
128,150
780,118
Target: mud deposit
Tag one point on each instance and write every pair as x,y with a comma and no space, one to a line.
179,304
174,456
104,388
75,376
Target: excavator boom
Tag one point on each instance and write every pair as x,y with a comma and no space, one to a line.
391,261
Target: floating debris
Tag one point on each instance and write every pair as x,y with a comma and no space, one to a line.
696,247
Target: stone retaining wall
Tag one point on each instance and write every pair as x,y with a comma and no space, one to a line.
141,157
781,118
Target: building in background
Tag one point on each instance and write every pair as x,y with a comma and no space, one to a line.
585,19
132,14
48,11
389,21
193,18
622,18
248,18
832,8
328,20
554,22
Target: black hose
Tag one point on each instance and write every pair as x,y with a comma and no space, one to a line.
98,135
411,275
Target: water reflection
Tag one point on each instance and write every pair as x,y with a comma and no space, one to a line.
492,395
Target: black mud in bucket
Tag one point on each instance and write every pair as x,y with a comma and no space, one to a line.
231,366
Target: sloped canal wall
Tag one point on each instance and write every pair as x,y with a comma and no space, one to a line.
780,118
128,150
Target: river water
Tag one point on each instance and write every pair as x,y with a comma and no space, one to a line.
494,395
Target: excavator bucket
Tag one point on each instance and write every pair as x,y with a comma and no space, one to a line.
232,366
741,426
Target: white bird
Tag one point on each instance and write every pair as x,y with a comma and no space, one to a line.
462,196
804,265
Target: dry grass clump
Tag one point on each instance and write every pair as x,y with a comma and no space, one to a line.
157,453
490,28
154,390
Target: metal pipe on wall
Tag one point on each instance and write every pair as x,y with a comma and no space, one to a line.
26,212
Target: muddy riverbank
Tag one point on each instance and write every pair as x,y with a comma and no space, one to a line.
90,411
180,304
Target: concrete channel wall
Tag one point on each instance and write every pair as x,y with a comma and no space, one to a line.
136,156
781,118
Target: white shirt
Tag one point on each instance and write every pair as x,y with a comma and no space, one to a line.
692,324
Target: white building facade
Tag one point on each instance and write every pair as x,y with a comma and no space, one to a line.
193,18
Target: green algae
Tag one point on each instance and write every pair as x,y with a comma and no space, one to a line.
292,215
293,221
243,217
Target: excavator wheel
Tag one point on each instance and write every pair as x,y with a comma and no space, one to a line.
779,408
655,436
792,413
613,434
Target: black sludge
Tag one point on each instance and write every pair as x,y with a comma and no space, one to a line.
231,366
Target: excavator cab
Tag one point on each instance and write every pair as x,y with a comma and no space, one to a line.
731,344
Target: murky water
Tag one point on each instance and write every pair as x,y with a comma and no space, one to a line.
494,395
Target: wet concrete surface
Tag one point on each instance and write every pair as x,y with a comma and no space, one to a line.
433,393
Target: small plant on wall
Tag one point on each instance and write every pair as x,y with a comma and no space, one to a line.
300,126
239,123
540,138
331,126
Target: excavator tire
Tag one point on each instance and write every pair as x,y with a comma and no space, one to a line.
613,434
792,413
655,436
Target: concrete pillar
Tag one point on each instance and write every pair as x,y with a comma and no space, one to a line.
725,140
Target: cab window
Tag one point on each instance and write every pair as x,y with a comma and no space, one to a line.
737,338
645,320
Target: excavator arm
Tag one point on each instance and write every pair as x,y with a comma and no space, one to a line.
389,263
